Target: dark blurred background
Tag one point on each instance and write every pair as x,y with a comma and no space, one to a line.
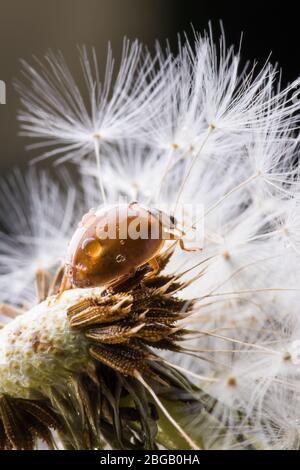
32,26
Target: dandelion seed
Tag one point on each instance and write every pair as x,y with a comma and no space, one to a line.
38,217
54,110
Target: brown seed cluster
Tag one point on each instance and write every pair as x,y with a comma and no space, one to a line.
24,421
105,403
122,326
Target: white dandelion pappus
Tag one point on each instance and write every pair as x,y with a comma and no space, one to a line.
202,131
55,111
37,217
129,171
212,103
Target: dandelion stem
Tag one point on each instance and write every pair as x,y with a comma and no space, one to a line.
233,190
232,340
99,170
189,372
220,201
190,442
240,269
166,170
170,165
251,291
211,128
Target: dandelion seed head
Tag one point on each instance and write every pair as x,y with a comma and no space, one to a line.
188,128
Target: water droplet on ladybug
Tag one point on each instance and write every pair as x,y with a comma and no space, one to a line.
91,247
81,267
120,258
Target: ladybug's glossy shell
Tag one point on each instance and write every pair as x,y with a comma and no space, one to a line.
107,245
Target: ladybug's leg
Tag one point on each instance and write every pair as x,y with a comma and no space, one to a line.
57,280
172,236
62,288
184,248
